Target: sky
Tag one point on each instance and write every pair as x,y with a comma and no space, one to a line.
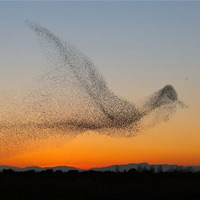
138,47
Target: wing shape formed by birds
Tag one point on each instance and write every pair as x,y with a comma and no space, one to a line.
72,97
108,110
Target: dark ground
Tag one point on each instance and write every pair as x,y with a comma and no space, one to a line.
75,185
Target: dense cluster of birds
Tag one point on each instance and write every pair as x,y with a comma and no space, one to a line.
72,97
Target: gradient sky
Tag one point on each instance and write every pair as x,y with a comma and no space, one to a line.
138,47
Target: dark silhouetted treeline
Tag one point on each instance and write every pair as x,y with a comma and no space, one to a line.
72,185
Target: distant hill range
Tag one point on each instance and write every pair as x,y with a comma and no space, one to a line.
113,168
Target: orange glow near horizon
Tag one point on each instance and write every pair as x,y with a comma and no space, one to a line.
167,143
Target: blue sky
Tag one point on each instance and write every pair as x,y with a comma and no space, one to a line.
138,46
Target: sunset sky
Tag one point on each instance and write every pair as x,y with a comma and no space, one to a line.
139,47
